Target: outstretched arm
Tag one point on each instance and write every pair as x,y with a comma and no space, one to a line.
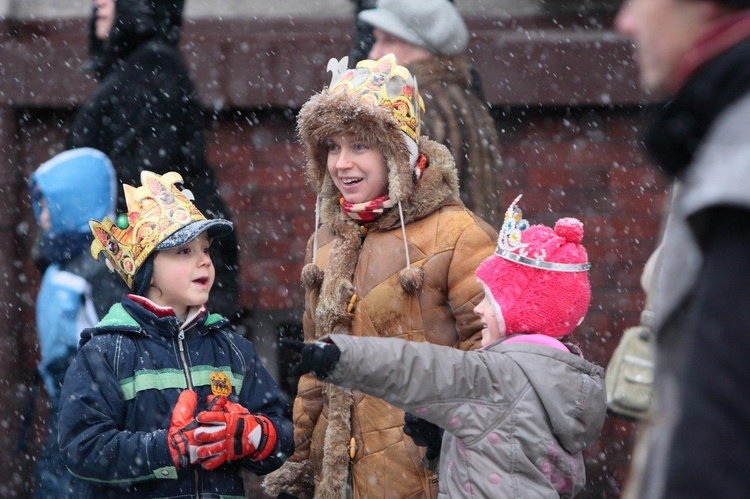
434,382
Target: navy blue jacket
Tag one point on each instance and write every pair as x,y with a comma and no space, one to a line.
118,396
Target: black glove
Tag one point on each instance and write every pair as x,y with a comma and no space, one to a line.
424,434
317,357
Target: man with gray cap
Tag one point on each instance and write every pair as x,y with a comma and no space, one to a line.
429,37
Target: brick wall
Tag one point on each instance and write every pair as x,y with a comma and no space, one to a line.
583,161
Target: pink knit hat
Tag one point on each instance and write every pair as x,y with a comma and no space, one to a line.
537,276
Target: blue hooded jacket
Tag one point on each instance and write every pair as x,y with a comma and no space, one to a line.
75,186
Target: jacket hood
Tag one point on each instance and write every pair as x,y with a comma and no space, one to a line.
136,22
76,185
570,388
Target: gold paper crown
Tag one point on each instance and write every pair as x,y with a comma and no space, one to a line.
382,83
156,210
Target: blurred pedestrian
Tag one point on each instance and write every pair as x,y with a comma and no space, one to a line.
67,191
163,398
430,37
393,257
146,114
695,54
518,413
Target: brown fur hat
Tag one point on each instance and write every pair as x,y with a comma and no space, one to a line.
328,114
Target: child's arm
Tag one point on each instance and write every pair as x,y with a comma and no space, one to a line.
91,415
436,383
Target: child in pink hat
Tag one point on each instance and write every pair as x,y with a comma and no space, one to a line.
518,413
536,283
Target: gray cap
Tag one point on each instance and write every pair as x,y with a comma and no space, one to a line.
434,25
216,228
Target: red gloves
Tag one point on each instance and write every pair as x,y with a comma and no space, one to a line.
187,438
225,432
242,434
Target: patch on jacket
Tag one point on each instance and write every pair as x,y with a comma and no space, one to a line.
220,384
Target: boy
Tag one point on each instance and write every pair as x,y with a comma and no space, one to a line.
128,421
518,413
66,192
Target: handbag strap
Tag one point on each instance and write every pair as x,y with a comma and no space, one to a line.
647,314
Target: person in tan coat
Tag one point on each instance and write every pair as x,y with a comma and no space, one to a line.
394,257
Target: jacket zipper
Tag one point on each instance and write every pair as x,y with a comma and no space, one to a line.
189,379
181,343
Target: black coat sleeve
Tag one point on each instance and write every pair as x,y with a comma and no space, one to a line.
711,443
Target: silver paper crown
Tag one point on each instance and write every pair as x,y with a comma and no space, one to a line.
510,247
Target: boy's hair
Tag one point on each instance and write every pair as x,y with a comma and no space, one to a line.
537,278
160,216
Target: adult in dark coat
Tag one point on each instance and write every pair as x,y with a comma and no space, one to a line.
146,115
694,54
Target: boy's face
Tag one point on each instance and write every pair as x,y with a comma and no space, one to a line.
183,276
493,326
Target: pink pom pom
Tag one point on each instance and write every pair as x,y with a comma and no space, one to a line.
571,229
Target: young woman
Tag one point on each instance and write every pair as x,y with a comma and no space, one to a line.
394,257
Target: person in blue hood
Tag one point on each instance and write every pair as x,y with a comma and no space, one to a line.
164,399
66,192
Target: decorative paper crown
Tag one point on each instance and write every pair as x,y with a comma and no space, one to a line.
156,210
382,83
510,247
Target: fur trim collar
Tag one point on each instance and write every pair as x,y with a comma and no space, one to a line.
450,70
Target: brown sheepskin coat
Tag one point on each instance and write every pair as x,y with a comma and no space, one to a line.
446,243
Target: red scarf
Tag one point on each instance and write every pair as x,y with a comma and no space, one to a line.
368,211
726,33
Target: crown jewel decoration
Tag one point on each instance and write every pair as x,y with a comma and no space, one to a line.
156,210
382,83
510,247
